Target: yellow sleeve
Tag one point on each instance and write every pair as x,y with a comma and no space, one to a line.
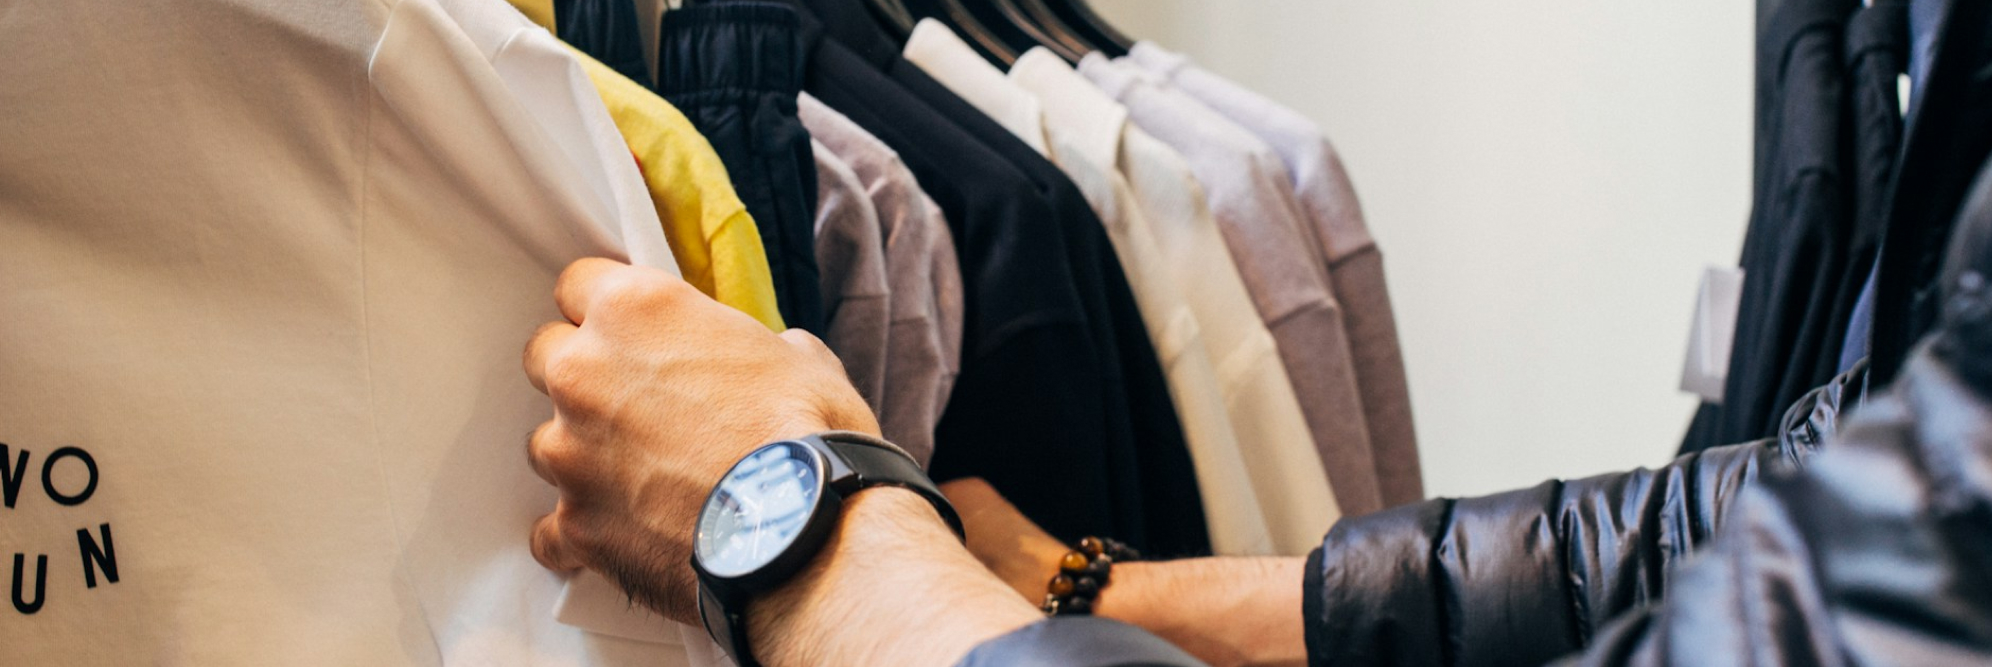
714,239
540,11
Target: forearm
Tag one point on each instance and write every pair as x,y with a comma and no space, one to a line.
1226,611
891,564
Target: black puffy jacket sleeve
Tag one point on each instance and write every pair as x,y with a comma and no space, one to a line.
1516,578
1524,577
1876,555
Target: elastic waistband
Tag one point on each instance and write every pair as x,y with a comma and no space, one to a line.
730,49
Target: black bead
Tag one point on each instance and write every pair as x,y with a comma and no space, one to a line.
1087,587
1079,607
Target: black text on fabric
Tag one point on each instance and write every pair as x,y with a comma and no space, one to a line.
96,550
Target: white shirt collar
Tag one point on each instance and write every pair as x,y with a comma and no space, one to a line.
942,55
1156,59
1084,117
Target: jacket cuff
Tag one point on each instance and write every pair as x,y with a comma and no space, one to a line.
1078,641
1371,597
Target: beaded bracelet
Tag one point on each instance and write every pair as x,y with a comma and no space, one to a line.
1082,573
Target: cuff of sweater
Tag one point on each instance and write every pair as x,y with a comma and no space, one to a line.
1078,641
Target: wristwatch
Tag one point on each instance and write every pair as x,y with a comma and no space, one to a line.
774,510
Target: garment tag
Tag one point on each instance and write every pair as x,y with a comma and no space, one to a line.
1713,333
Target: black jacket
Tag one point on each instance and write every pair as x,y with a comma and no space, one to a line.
1876,553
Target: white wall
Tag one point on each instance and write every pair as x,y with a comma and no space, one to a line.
1546,178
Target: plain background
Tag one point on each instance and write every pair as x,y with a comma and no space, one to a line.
1547,180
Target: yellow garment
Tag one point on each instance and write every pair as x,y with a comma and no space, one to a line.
712,236
540,11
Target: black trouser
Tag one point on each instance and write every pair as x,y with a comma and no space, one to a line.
735,70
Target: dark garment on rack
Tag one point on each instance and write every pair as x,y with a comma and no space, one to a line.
1172,506
607,30
1799,222
735,69
1948,137
1030,410
1877,46
1924,17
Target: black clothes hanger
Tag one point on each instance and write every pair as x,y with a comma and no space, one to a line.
1040,14
893,16
965,23
1017,30
1087,23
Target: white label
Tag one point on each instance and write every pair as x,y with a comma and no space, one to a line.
1713,333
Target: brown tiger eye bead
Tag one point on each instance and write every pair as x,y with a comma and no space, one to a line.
1092,546
1062,585
1072,562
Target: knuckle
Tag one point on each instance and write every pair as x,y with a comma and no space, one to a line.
574,533
568,369
809,344
542,336
552,452
545,541
637,290
541,447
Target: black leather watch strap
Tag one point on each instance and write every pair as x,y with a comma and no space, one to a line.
858,462
880,463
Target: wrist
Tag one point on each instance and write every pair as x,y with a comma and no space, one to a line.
1225,611
892,586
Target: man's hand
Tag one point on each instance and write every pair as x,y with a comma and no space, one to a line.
656,391
1226,611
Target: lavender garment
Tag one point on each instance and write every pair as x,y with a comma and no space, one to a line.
850,261
1355,264
923,332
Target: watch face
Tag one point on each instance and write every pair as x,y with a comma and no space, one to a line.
759,508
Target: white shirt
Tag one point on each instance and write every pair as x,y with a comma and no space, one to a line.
1085,151
1272,434
279,262
942,55
1251,197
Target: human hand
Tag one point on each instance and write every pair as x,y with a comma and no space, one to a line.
1252,618
1008,543
657,390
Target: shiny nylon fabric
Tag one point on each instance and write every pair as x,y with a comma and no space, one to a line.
1874,554
735,70
1516,578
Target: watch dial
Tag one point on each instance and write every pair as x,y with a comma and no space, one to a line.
759,508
